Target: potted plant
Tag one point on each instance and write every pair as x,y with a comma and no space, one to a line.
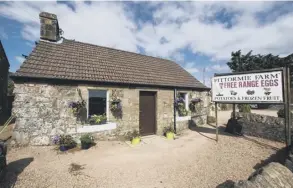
65,142
169,132
97,119
134,137
87,141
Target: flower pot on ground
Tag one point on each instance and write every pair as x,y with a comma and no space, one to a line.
65,142
86,141
134,137
62,148
135,141
169,133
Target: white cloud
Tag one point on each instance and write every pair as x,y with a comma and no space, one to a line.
201,32
20,59
217,67
176,26
107,24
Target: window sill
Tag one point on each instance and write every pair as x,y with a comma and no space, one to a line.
183,118
97,128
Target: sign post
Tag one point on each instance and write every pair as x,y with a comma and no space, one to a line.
270,86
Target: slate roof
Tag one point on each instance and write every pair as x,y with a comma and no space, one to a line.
72,60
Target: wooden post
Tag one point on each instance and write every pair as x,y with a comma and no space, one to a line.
288,104
286,109
234,111
216,114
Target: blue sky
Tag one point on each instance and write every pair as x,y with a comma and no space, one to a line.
197,35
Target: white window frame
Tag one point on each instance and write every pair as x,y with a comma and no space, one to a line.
107,101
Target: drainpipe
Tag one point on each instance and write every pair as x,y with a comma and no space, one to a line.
175,91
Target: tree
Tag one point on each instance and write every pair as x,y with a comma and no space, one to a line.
248,62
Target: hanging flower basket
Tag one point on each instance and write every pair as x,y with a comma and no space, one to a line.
193,104
76,107
116,105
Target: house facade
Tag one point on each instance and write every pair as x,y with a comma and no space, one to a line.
60,74
4,67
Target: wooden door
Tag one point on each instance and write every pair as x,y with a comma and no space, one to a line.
147,113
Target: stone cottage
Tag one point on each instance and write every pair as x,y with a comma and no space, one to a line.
4,67
60,72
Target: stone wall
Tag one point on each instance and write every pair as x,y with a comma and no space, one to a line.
268,127
42,111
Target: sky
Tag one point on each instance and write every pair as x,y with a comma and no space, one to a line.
199,36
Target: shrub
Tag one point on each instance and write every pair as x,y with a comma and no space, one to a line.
245,108
87,139
211,119
281,113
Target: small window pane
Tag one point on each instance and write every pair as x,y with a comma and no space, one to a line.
97,102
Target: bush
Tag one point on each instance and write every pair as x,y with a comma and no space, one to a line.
211,119
281,113
87,139
245,108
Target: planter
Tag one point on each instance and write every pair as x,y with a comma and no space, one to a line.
63,148
135,141
85,145
170,136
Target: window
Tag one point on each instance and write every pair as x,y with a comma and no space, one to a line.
185,97
97,102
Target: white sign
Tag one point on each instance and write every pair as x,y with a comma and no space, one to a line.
245,88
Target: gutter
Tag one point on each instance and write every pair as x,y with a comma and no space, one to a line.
175,91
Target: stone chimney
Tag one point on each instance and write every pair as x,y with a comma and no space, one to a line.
49,27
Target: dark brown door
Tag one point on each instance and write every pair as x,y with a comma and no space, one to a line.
147,112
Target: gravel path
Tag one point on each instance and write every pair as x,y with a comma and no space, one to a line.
192,160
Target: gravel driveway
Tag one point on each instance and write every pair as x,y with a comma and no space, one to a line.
192,160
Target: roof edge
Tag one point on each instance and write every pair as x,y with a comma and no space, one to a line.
16,78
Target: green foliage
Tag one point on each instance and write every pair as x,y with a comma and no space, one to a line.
168,129
97,119
211,119
87,139
281,113
245,108
67,140
248,62
10,87
132,134
181,109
